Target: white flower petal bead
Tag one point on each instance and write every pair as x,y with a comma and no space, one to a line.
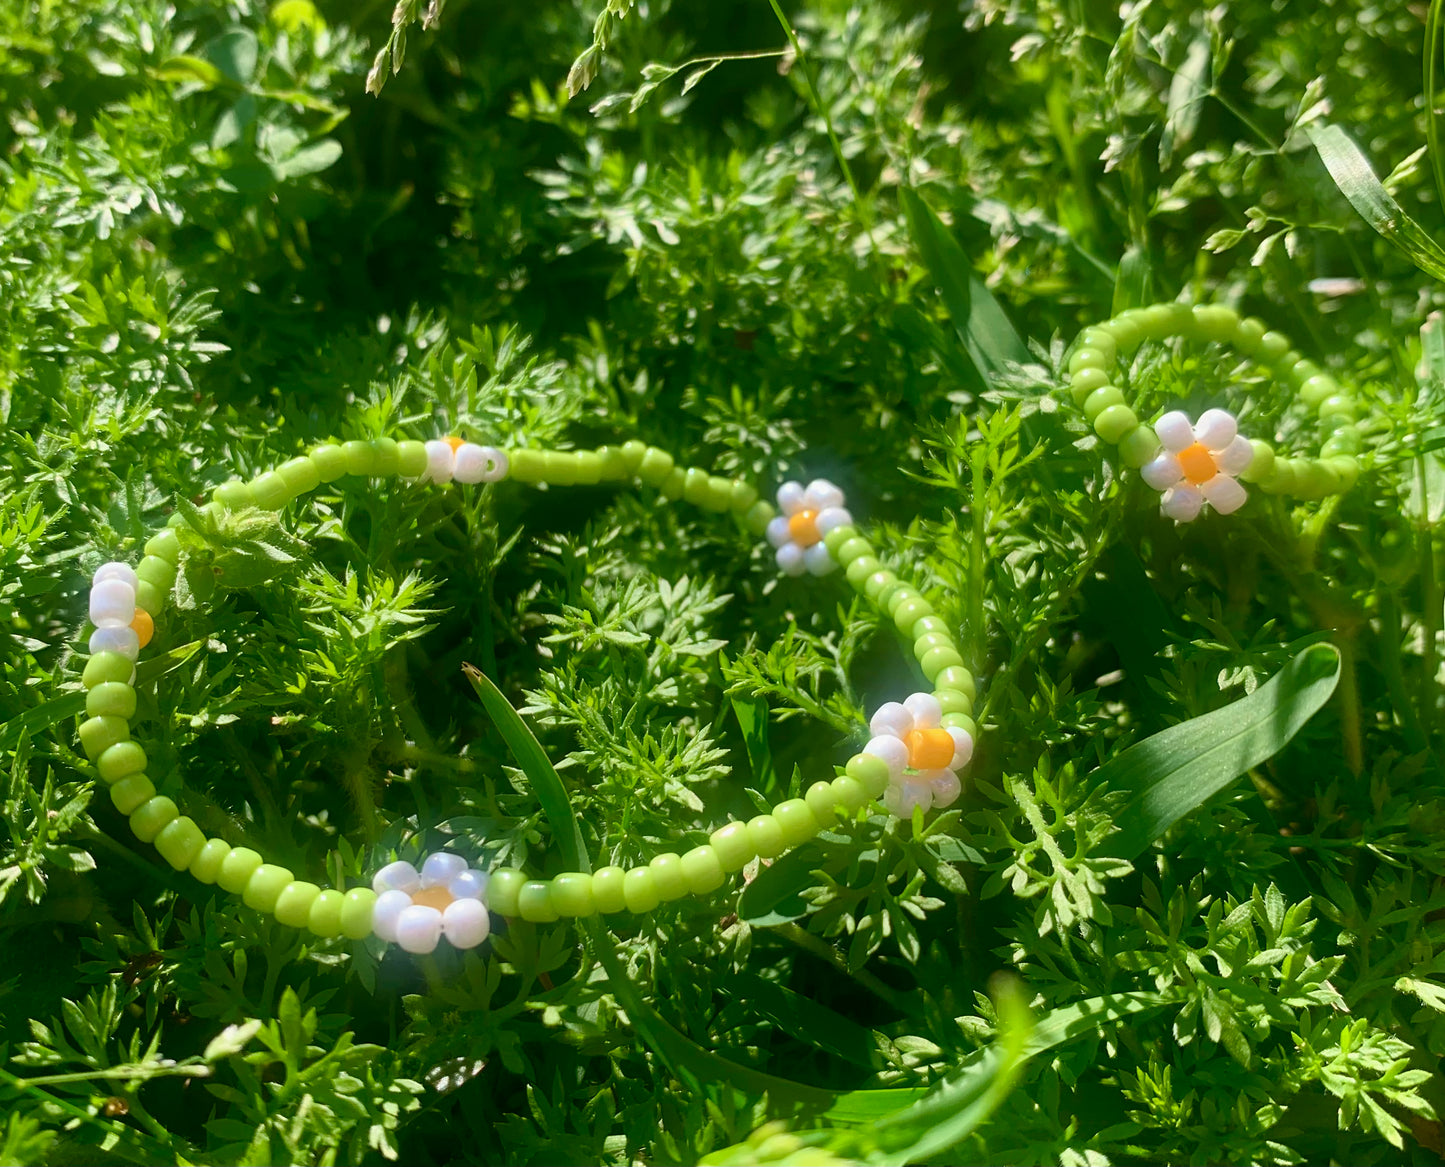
926,711
893,751
817,560
440,868
1224,494
1236,457
119,638
419,929
778,534
790,559
790,497
1182,504
892,719
831,518
112,601
910,794
1215,429
945,789
1163,472
822,494
399,876
386,912
470,464
498,464
1174,431
116,570
471,884
440,462
962,747
466,923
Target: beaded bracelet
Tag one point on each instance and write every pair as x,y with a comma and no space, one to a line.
911,761
1202,462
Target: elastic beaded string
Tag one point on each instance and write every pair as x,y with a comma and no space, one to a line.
911,760
1183,461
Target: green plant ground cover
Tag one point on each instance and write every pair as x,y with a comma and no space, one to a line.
1190,907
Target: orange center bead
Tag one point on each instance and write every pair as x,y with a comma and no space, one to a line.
144,626
433,897
929,749
803,527
454,443
1197,463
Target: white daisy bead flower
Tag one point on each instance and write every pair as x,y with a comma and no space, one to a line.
808,514
1199,464
119,625
466,462
415,909
923,757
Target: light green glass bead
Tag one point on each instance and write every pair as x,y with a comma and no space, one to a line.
910,611
639,889
121,761
701,871
667,875
1087,382
560,468
234,495
1313,480
765,836
633,452
270,491
329,460
130,793
931,640
206,866
1096,338
265,886
1125,330
935,660
719,497
1318,389
324,919
656,466
961,721
743,496
671,486
112,699
154,570
150,816
587,467
797,820
930,624
1161,321
891,601
1302,371
861,568
534,902
733,846
1272,346
237,869
1340,405
1347,439
179,842
386,454
106,667
1261,466
958,678
760,514
1215,322
1139,447
1087,358
301,475
1114,423
607,883
1345,468
98,734
150,597
952,701
849,793
360,458
410,459
293,905
356,913
874,585
526,466
835,539
572,894
1100,400
504,890
612,465
694,485
870,772
1247,336
1280,479
165,544
819,798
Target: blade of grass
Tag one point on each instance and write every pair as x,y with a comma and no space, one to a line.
1432,108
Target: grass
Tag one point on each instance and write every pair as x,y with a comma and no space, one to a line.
779,240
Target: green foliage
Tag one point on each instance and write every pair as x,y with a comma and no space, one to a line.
1202,832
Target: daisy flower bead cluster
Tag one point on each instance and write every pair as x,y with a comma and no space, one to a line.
798,533
1094,370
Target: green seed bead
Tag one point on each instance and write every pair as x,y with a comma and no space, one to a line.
1272,346
361,458
587,467
98,734
672,486
1280,479
759,515
656,466
861,568
527,466
930,624
329,460
1313,480
150,598
961,721
931,640
1100,400
293,905
559,469
572,894
952,701
872,773
356,913
908,613
179,842
639,889
1347,439
1125,330
849,793
206,866
1340,405
302,477
234,495
667,875
121,761
1261,466
1138,447
1247,336
156,571
633,452
150,816
534,902
797,820
1086,382
835,539
387,455
410,460
742,497
694,485
874,585
1096,338
130,793
265,886
701,871
270,491
607,883
765,836
112,699
1317,389
237,869
958,678
613,466
1087,358
820,801
1345,468
1114,423
1300,372
324,919
504,891
1160,321
935,660
165,545
894,600
1215,322
719,497
733,846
